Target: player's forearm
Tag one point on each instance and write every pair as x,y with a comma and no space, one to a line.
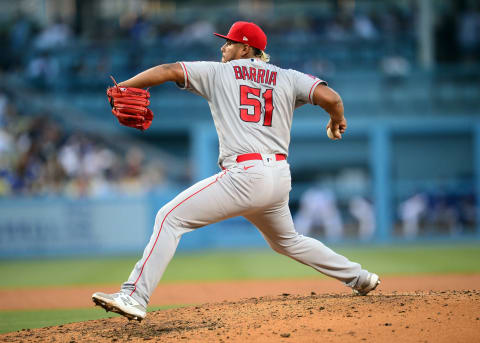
155,76
335,109
329,100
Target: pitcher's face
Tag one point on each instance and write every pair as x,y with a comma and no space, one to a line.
231,51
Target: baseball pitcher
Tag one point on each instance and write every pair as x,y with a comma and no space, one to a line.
252,104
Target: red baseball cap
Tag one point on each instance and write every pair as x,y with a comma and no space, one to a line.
248,33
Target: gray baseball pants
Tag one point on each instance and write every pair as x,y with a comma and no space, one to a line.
256,189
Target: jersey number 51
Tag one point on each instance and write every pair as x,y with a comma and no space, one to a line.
256,105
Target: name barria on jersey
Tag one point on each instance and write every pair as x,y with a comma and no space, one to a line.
255,74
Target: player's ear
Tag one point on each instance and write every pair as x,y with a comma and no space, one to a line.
246,49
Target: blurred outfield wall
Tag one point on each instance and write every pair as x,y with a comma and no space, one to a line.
94,227
60,226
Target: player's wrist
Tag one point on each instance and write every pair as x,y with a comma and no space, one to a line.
337,117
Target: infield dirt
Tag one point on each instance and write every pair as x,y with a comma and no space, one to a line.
448,313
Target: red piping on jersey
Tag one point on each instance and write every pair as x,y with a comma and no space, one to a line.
311,89
161,225
186,73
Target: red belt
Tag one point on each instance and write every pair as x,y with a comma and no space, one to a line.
257,156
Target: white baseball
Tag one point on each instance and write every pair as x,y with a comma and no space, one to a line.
330,134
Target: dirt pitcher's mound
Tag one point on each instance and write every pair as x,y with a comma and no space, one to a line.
442,316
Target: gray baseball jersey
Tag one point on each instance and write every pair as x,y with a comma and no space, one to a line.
252,105
252,102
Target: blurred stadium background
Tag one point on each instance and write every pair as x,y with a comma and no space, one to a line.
75,182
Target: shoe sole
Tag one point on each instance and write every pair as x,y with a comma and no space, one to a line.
356,292
112,308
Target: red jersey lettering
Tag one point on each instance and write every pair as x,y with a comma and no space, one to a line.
260,75
238,72
246,76
253,74
273,78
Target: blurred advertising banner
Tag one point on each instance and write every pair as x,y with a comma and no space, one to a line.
34,227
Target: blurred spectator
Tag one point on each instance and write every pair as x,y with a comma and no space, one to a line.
318,210
410,212
132,182
395,69
140,29
468,213
6,141
339,29
392,22
469,34
352,181
364,27
43,70
443,213
3,108
20,34
362,210
55,35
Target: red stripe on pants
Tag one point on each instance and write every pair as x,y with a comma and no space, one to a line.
161,226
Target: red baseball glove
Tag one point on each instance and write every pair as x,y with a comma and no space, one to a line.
130,106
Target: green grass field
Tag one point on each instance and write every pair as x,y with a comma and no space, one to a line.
239,265
212,266
18,320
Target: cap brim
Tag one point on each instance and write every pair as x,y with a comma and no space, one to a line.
221,36
226,37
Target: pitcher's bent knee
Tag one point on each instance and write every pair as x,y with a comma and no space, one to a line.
285,247
167,221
